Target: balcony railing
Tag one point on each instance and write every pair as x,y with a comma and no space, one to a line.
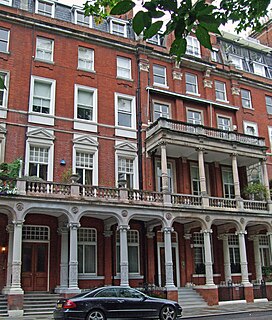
197,130
122,195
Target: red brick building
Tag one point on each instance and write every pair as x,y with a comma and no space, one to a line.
133,167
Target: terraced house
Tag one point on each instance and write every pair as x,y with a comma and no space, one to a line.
134,170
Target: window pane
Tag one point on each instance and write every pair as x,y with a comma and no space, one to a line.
133,259
268,101
90,259
4,36
80,258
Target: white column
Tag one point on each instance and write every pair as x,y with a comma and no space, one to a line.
257,258
235,174
16,264
10,231
243,257
64,265
201,168
73,263
265,177
164,172
124,255
169,281
269,234
208,257
227,267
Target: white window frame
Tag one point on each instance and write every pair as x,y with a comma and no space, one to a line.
44,50
88,243
236,61
254,125
171,170
37,116
220,91
268,104
128,152
162,114
193,47
43,142
229,171
84,168
91,90
5,91
79,22
270,138
193,120
121,23
264,246
163,77
120,67
233,245
223,127
6,40
246,99
6,2
51,3
86,144
259,69
90,52
190,84
129,132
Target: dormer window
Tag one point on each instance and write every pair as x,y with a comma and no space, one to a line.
193,47
6,2
81,19
46,8
118,27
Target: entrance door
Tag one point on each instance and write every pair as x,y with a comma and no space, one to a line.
161,266
34,266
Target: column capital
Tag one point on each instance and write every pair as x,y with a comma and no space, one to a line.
18,223
107,233
206,231
269,233
167,229
63,230
73,225
123,227
187,236
223,236
150,235
241,233
10,228
200,149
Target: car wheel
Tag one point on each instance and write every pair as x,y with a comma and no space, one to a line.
168,313
96,315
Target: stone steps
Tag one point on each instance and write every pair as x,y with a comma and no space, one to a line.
189,298
39,304
3,306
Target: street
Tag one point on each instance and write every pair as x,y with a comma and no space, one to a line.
258,315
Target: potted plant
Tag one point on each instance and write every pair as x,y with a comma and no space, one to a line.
256,191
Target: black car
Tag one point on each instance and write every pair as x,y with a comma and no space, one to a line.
116,302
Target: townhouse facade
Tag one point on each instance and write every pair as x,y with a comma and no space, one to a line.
133,167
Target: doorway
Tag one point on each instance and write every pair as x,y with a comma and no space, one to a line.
161,265
35,266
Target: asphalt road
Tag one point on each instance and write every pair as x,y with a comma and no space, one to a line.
259,315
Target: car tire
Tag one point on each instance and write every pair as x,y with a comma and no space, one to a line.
96,315
168,312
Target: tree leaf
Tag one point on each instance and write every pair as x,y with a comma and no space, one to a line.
178,47
203,37
138,22
122,7
156,14
153,29
211,27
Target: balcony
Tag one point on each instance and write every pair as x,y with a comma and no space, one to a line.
76,192
183,138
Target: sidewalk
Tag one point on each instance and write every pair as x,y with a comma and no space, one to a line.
224,308
227,308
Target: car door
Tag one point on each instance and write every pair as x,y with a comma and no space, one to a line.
134,304
108,300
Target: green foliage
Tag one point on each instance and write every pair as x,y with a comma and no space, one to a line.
256,191
200,18
66,176
10,170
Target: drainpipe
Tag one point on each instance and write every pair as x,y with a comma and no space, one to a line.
139,123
